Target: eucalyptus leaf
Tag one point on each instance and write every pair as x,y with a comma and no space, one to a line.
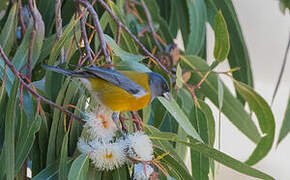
265,118
79,168
174,109
222,41
285,128
232,108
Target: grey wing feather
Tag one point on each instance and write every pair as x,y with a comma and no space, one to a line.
117,79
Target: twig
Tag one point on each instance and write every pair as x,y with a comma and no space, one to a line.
58,25
149,19
21,20
98,27
32,37
34,93
119,23
119,35
282,71
85,37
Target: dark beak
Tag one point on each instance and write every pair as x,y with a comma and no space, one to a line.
167,95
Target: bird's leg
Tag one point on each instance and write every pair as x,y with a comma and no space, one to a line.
123,123
139,119
115,117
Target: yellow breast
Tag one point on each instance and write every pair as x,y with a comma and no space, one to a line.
118,99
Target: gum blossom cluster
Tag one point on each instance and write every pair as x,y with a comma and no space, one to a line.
108,152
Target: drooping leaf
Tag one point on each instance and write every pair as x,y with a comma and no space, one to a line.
232,108
178,76
120,173
63,169
174,109
8,33
79,168
25,143
213,153
285,128
173,164
222,41
9,141
50,172
125,56
197,19
21,55
52,150
238,55
265,118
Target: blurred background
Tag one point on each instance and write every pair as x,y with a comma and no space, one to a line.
266,31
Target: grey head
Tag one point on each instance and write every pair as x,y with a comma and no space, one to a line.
158,86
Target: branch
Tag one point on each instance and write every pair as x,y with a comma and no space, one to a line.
119,23
58,26
21,20
34,93
147,13
98,27
84,36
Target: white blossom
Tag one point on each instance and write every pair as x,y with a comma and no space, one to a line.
108,156
139,146
100,125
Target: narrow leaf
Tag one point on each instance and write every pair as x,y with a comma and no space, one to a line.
8,33
232,108
285,128
222,41
178,76
215,154
9,139
197,19
174,109
63,170
79,168
265,118
125,56
25,143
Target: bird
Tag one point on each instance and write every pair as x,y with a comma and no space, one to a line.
119,90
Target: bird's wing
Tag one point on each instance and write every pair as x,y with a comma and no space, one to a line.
118,79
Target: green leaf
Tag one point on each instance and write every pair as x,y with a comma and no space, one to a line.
25,143
9,139
265,118
238,55
222,41
210,121
174,109
120,173
51,149
79,168
63,170
232,108
179,76
8,33
125,56
197,19
172,162
50,172
285,128
21,55
213,153
67,35
200,163
179,19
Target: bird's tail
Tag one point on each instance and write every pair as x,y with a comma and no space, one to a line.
66,72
